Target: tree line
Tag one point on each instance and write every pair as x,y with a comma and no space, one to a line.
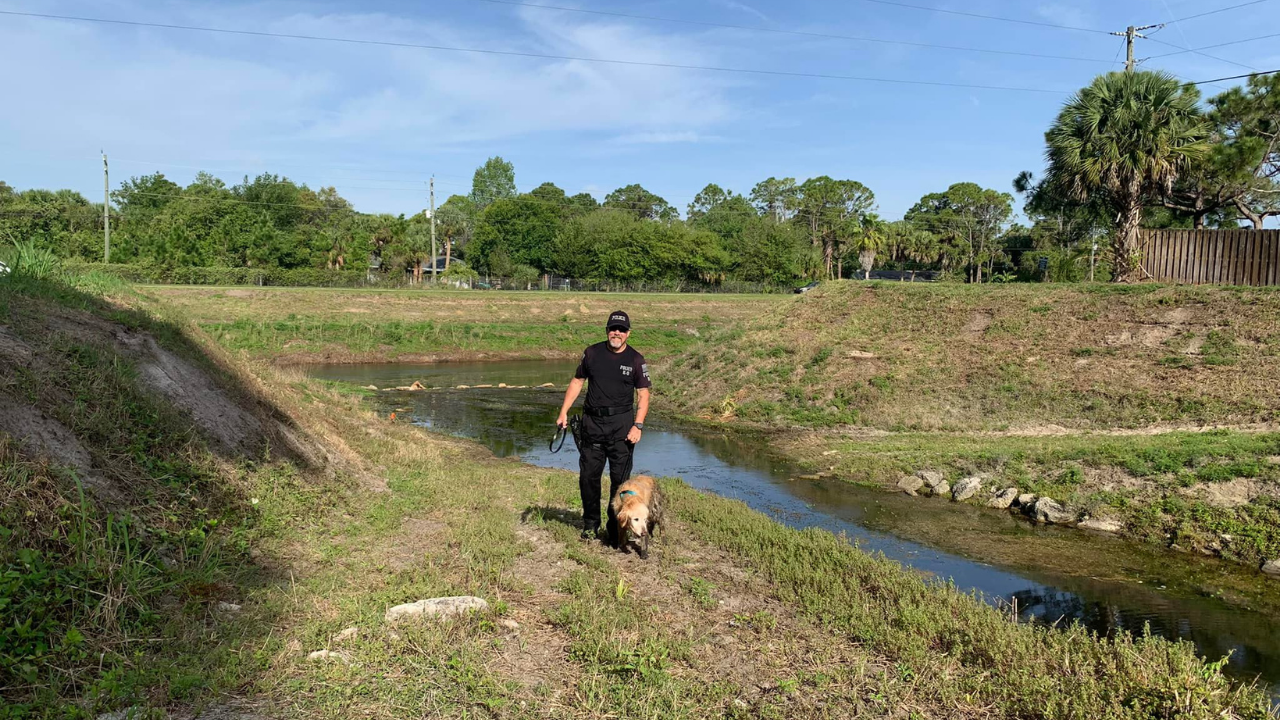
1132,150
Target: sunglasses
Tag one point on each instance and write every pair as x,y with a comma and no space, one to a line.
619,330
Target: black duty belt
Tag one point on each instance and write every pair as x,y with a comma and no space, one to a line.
607,411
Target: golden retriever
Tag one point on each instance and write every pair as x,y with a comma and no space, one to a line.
637,508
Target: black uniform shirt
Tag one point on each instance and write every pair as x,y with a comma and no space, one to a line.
612,378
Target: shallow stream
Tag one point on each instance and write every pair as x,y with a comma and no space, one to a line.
1052,573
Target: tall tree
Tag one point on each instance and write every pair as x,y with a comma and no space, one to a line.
968,216
1247,158
455,222
1123,141
641,203
873,236
776,198
833,211
494,180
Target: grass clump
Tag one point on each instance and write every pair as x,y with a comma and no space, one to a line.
1015,670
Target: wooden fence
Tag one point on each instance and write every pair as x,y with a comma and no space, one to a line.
1222,257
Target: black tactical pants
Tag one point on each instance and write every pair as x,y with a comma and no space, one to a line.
603,438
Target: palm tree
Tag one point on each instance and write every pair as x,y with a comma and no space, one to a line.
1123,141
869,241
339,246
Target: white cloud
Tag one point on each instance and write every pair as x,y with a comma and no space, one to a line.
181,95
742,7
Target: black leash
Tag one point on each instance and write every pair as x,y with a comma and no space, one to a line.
575,427
560,435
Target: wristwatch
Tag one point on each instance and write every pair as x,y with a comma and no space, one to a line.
639,426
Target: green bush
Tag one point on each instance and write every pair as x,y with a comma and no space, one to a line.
280,277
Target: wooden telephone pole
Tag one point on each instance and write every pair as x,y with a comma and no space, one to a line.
1129,34
433,226
106,212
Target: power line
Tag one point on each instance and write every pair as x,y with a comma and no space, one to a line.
1214,12
543,56
1211,47
986,17
1236,77
1201,54
801,33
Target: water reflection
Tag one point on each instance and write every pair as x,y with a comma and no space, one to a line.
994,554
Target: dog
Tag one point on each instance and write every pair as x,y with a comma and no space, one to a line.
637,510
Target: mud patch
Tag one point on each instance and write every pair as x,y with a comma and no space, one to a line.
42,436
536,655
190,388
978,323
1233,493
13,349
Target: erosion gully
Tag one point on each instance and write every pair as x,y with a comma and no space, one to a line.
1048,574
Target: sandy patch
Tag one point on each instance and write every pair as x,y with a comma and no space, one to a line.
1233,493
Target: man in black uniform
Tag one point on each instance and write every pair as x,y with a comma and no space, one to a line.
611,424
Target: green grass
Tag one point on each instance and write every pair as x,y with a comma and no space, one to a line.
388,340
104,594
930,631
1159,466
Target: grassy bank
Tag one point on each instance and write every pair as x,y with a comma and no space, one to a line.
1066,391
122,521
1211,492
349,513
325,325
970,358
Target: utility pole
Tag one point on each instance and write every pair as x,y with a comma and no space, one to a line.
433,227
106,212
1129,34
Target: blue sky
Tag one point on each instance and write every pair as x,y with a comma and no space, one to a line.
377,121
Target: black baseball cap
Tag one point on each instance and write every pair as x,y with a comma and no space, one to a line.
618,319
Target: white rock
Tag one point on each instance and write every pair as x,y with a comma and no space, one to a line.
1272,567
442,607
932,478
228,607
1026,499
1048,510
547,385
1102,525
346,634
942,489
1002,500
910,485
327,655
966,488
509,624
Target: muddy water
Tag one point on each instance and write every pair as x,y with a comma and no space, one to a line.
1052,573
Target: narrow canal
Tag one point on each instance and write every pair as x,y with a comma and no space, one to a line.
1052,573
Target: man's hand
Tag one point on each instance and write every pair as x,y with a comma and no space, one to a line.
563,420
633,437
